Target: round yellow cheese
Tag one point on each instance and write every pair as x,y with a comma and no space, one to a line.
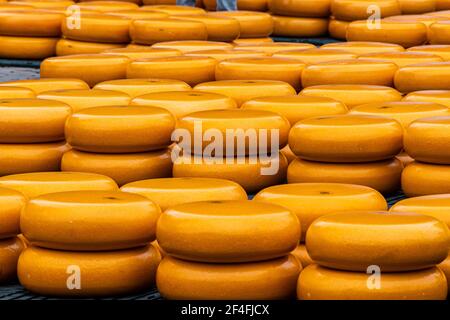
308,8
417,6
441,97
12,203
30,23
314,56
253,24
251,5
135,14
402,59
338,28
262,40
420,179
299,27
45,5
107,6
439,33
10,250
172,10
191,45
423,76
350,10
13,92
439,50
302,255
271,48
66,47
143,53
31,48
363,47
41,85
426,19
225,54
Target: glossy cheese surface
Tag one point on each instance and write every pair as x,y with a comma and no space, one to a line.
440,50
417,6
144,53
40,85
172,10
299,27
350,10
253,24
314,56
15,92
192,45
66,47
420,179
338,28
30,48
439,32
225,54
423,76
10,250
308,8
135,14
107,6
261,40
30,23
271,48
363,47
437,96
402,59
12,203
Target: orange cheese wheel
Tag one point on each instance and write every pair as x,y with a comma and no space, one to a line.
351,71
363,47
296,8
439,50
123,168
120,129
12,203
310,201
439,33
423,76
271,48
66,47
27,48
258,128
157,30
192,70
143,53
107,6
10,250
48,5
273,279
296,108
8,6
39,183
417,6
13,92
191,45
302,255
383,176
319,283
426,19
437,96
346,138
406,34
23,158
251,5
242,41
225,54
173,10
420,179
314,56
108,273
351,10
404,158
30,23
41,85
138,87
354,95
403,111
356,240
445,268
182,103
402,59
253,24
252,173
169,192
287,70
208,231
77,220
299,27
338,28
32,120
135,14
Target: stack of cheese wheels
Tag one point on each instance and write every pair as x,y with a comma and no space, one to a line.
300,18
32,135
200,241
80,249
354,149
423,76
126,143
357,257
29,33
310,201
240,145
11,246
426,141
41,85
252,24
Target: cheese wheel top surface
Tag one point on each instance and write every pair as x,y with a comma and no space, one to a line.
209,231
316,55
363,47
139,14
144,53
423,76
357,10
224,54
253,24
108,6
12,92
436,96
241,41
30,23
192,45
354,241
402,59
47,84
439,50
12,203
274,47
174,10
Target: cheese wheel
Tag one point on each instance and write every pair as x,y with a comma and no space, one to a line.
41,85
253,24
242,41
157,30
439,50
8,6
169,192
404,158
426,19
442,5
173,10
123,168
287,70
120,129
383,176
319,283
296,108
225,54
207,231
251,5
107,6
80,99
252,173
338,28
66,47
420,179
109,273
77,220
27,48
269,280
437,96
12,203
351,71
182,103
423,76
98,28
244,90
23,158
138,87
417,6
299,27
10,250
355,240
439,33
287,152
32,120
302,255
354,95
135,14
218,28
30,23
15,92
346,138
310,201
191,45
351,10
300,8
402,59
50,5
271,48
363,47
192,70
143,53
314,56
403,111
39,183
